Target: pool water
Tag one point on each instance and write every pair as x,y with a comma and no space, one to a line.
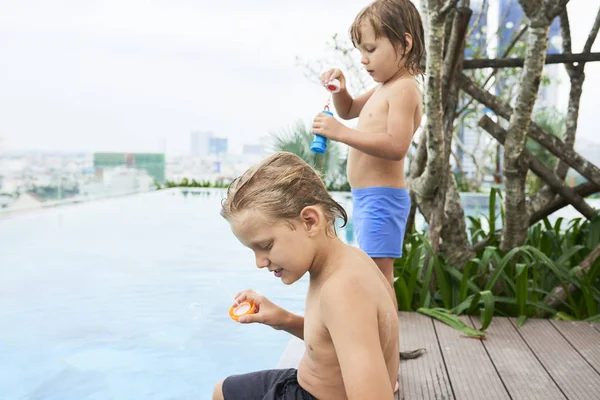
128,298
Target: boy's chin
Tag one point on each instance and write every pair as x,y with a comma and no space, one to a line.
289,279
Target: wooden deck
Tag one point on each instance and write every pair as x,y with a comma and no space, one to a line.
542,360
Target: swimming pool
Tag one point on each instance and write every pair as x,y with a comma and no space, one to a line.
95,300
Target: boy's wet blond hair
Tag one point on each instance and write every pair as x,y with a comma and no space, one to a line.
281,186
393,19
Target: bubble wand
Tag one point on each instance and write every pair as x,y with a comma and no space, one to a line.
238,310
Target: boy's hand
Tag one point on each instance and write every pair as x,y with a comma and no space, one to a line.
332,74
328,126
266,312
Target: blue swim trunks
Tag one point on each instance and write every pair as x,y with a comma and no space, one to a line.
379,219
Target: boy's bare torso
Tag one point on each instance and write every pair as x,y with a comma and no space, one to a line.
319,370
364,170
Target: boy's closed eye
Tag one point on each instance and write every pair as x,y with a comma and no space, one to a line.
266,245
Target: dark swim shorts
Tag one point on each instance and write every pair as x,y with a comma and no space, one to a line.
274,384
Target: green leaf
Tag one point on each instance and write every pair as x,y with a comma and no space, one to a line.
443,284
503,263
564,316
487,312
492,211
404,302
474,303
591,306
595,318
460,308
415,270
452,320
426,282
466,282
521,294
538,304
567,254
521,320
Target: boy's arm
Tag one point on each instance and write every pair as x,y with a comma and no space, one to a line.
271,314
393,144
351,319
348,108
294,325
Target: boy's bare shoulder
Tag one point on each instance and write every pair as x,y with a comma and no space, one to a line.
356,277
406,86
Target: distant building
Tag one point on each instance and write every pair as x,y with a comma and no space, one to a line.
257,149
218,146
152,163
205,144
199,143
252,149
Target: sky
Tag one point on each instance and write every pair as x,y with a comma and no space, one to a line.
140,75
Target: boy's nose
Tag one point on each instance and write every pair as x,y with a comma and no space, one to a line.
262,262
364,60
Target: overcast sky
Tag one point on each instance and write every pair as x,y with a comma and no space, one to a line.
108,75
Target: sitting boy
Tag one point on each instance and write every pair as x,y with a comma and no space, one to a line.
281,210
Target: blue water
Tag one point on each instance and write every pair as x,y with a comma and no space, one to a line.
95,300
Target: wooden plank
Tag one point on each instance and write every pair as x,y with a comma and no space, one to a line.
472,374
571,372
521,372
424,377
584,338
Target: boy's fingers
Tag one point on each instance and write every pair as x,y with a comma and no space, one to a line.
337,73
248,319
245,295
325,76
250,296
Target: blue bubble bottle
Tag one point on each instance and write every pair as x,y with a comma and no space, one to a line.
319,144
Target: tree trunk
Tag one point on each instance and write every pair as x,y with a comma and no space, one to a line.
455,242
432,184
516,221
425,186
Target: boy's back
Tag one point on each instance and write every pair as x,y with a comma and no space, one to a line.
352,299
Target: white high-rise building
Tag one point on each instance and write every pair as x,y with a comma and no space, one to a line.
200,143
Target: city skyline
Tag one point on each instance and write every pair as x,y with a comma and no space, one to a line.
139,77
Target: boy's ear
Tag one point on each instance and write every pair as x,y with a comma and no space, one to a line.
310,218
409,43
